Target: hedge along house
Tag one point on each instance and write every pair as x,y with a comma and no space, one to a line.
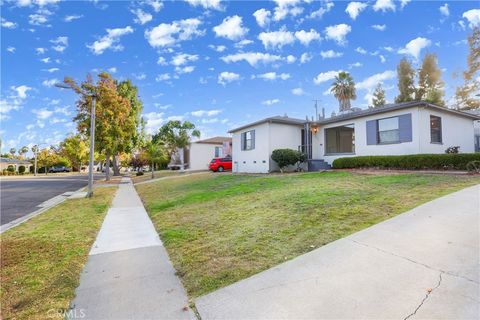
396,129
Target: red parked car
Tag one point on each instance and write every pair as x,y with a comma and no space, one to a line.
220,164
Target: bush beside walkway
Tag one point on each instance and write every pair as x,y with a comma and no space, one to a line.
42,258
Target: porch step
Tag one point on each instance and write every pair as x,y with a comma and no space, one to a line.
317,165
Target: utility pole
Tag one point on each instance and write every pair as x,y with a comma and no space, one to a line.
36,153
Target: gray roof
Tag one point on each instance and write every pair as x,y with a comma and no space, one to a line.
14,161
275,119
363,113
214,140
393,107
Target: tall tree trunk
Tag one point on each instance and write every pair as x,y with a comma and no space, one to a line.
116,168
107,166
152,169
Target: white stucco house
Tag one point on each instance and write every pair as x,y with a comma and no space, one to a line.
395,129
198,154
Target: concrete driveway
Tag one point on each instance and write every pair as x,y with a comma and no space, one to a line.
423,264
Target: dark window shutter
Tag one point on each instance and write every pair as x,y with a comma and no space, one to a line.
243,140
253,139
405,127
372,132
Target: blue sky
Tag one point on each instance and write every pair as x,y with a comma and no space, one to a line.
218,64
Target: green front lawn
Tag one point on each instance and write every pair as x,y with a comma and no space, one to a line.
42,258
219,229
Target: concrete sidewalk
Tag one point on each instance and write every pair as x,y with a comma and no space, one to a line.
423,264
128,274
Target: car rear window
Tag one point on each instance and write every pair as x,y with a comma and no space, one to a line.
213,161
227,160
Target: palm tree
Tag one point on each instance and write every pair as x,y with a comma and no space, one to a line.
344,90
156,152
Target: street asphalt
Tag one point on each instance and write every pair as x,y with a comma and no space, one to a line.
21,196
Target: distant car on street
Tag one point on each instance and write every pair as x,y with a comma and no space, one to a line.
220,164
58,169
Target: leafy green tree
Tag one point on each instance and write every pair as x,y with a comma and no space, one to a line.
344,90
155,152
13,151
406,81
112,114
176,136
430,84
466,95
378,99
75,149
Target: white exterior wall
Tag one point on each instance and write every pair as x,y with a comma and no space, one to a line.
361,147
255,160
201,154
283,136
456,131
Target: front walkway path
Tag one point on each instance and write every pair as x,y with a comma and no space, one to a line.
422,264
128,274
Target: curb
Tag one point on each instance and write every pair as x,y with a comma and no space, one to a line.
27,217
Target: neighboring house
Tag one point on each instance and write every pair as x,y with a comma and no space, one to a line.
198,154
476,126
395,129
6,162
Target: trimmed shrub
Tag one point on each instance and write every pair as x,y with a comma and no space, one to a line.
21,169
455,149
451,161
473,166
11,168
287,157
139,173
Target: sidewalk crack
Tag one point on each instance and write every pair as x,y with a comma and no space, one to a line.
425,298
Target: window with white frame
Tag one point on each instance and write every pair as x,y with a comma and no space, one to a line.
248,140
388,130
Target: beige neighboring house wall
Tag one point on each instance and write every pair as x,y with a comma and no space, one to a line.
5,162
203,151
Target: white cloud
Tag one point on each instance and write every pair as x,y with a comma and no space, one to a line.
291,59
444,11
209,121
112,70
227,77
355,65
338,33
270,102
186,69
414,47
326,76
298,91
153,121
325,7
382,59
42,113
22,91
285,8
276,39
206,4
354,9
403,3
50,83
273,76
183,58
379,27
305,57
72,17
262,16
371,82
141,17
8,24
231,28
11,49
242,43
162,77
162,61
389,49
330,54
253,58
473,17
156,5
61,43
140,76
361,50
305,37
206,113
384,5
45,60
169,34
38,19
110,40
40,50
219,48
